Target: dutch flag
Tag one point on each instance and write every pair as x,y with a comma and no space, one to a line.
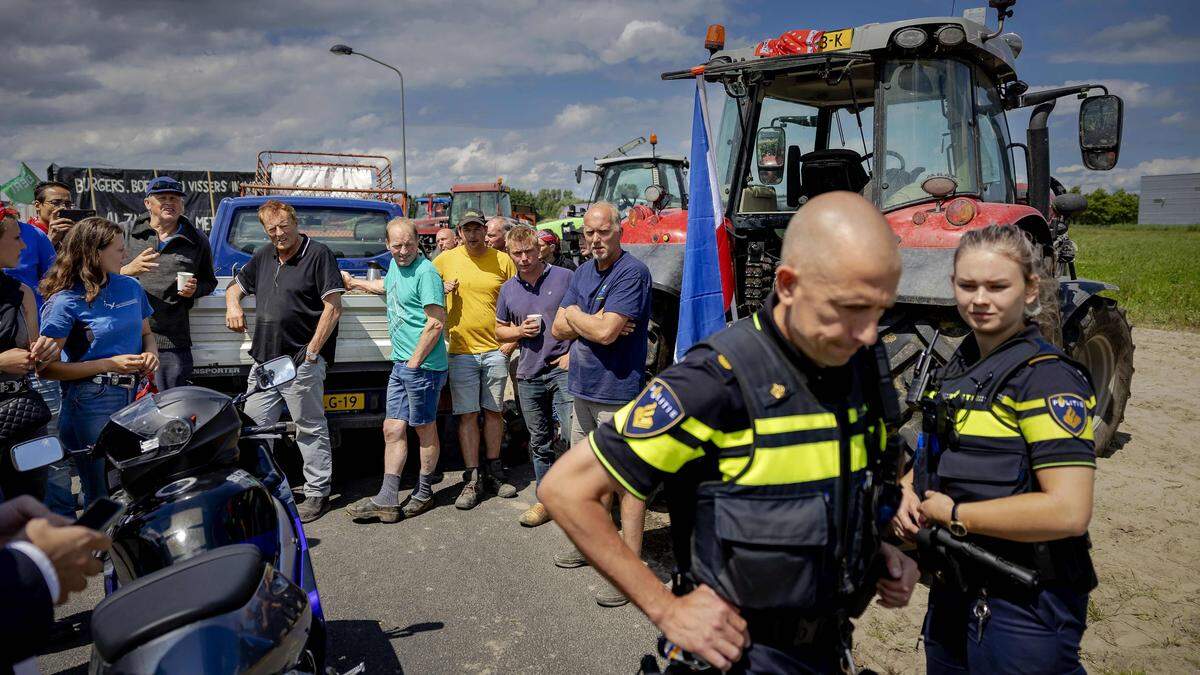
707,265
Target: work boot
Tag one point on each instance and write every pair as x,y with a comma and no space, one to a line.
367,509
495,480
469,497
312,508
534,516
610,596
570,558
416,507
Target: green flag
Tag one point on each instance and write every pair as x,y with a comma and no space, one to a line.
20,189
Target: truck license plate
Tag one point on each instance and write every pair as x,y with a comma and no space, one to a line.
343,402
836,40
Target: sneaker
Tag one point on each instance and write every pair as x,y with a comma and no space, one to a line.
534,516
469,497
312,508
367,509
570,558
498,484
609,596
416,507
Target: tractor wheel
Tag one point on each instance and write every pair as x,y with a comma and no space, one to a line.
1103,341
660,336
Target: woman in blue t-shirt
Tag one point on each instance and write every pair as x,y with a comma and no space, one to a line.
100,319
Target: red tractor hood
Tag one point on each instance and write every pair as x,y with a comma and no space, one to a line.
921,226
644,226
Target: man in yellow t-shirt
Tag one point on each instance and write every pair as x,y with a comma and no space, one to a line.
472,274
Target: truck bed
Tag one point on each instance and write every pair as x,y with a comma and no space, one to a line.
362,332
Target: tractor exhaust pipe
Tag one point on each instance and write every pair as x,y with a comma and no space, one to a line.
1038,138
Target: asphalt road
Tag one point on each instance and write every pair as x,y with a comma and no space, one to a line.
447,592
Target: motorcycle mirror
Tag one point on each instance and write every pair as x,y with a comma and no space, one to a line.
274,373
36,453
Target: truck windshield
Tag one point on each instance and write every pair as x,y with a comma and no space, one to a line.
349,233
488,203
927,115
625,184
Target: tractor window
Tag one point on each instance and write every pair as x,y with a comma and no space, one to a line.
995,169
625,184
798,123
843,130
487,203
927,126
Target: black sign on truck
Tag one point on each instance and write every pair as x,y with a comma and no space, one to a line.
117,194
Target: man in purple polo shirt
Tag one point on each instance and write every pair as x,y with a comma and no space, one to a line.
524,311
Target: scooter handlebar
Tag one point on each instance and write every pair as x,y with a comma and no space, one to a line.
268,429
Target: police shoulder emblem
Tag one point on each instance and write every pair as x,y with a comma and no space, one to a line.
1069,411
656,410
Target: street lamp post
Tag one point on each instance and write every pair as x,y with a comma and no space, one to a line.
345,50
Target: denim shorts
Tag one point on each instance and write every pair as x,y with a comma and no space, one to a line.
477,380
413,393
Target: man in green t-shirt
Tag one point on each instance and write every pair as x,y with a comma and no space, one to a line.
416,312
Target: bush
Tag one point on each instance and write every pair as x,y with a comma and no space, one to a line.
1106,208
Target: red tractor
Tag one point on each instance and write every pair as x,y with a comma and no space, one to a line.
912,114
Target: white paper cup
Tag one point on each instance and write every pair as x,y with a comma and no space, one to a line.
181,279
539,320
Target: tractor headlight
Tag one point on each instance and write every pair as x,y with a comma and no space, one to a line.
910,38
951,36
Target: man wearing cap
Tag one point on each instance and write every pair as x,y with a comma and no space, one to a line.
173,261
472,274
550,251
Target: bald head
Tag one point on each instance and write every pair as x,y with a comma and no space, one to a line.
840,270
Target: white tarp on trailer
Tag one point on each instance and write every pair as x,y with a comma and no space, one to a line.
322,177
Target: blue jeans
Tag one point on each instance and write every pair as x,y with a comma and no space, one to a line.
86,408
174,368
59,497
542,398
1039,634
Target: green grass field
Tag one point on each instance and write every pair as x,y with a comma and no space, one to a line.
1157,269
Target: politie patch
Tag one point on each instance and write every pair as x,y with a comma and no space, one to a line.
1069,411
656,410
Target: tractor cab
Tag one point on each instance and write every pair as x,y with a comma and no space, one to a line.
490,199
913,115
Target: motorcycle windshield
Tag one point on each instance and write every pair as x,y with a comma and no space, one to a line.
141,417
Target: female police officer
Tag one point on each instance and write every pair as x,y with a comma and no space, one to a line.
1015,476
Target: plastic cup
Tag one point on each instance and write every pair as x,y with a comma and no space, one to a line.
181,279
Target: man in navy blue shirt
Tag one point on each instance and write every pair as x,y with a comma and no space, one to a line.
606,310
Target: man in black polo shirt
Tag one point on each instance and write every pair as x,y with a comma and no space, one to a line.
173,262
299,289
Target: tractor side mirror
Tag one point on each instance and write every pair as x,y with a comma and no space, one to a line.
579,174
1100,119
769,152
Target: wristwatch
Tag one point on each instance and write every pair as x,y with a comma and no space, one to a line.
310,356
956,527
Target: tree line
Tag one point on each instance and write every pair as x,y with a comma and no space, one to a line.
1108,208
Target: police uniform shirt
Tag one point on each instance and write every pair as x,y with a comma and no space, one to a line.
1045,406
695,409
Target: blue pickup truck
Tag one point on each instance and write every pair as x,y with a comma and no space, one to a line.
355,230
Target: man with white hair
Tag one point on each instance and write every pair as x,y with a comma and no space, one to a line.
606,310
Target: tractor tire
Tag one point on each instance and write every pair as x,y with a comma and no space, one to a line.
660,338
1102,340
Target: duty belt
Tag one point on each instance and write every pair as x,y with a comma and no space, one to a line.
781,631
126,380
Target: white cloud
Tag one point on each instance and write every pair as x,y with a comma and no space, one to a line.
1129,179
646,41
577,116
1175,118
1135,42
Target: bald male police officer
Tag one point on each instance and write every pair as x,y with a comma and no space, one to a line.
769,438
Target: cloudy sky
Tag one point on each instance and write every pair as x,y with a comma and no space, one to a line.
521,89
